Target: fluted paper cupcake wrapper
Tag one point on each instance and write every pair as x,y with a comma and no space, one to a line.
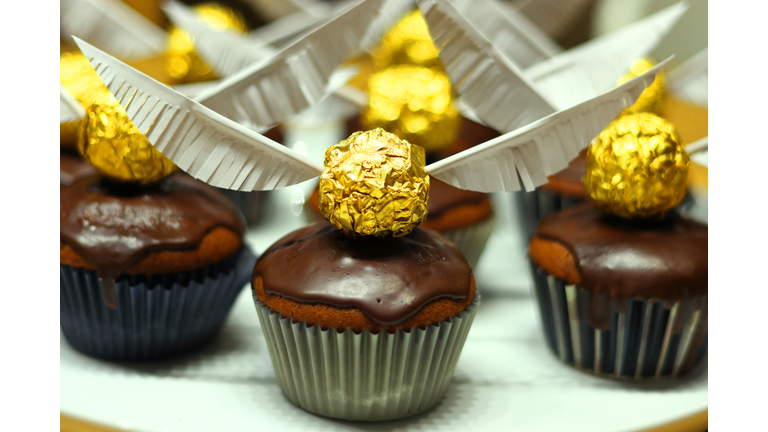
156,317
366,376
536,205
471,240
647,340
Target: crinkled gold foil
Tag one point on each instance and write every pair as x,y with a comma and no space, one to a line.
415,103
184,64
409,43
116,148
637,167
374,184
652,98
79,78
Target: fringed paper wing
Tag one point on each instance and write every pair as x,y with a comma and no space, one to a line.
69,108
508,30
687,37
296,77
201,142
539,149
593,67
690,81
226,51
332,109
489,83
282,30
699,151
391,12
112,26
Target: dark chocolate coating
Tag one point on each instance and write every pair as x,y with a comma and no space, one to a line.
73,168
443,197
114,227
387,279
638,259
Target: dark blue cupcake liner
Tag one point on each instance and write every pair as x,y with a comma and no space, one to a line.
647,339
156,316
534,206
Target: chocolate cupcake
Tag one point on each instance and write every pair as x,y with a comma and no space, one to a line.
365,317
73,168
621,281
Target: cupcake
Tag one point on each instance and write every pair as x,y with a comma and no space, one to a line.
73,168
151,261
365,317
621,281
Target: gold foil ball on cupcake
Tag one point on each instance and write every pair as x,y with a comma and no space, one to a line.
84,84
415,103
374,184
409,43
652,98
637,167
184,64
117,149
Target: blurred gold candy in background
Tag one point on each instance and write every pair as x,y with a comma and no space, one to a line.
652,98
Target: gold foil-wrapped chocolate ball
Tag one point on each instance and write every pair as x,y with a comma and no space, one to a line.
637,167
84,84
116,148
652,98
409,43
415,103
374,184
184,64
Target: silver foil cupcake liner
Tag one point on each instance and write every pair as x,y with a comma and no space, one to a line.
367,376
156,316
472,239
536,205
646,339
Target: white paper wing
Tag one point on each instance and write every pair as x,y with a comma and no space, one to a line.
294,79
508,30
699,151
276,9
593,67
69,108
555,17
489,83
540,149
281,30
690,81
112,26
391,13
226,51
332,109
201,142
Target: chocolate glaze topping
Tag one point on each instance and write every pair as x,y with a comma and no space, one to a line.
73,168
619,259
114,227
387,279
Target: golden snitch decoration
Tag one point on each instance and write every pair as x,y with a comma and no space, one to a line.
637,167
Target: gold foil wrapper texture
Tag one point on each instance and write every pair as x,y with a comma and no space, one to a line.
415,103
651,100
116,148
637,167
183,63
374,184
407,43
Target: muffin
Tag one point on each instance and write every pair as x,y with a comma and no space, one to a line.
621,280
364,329
73,168
148,272
622,298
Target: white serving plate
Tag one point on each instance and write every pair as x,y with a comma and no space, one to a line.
506,379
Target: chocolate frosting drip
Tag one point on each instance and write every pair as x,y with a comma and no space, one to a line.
387,279
114,227
73,168
619,259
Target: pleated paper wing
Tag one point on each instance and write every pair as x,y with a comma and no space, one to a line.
296,77
493,86
226,51
112,26
594,67
540,149
508,30
276,9
201,142
556,17
69,108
